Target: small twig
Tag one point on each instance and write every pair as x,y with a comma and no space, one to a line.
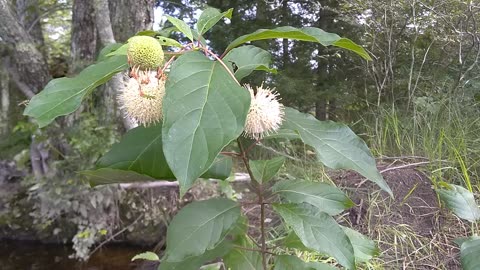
251,146
222,63
115,235
278,152
168,63
255,249
406,166
396,168
401,157
173,53
262,228
410,157
255,203
254,241
232,154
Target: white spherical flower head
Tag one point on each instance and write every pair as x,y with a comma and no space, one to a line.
265,114
142,99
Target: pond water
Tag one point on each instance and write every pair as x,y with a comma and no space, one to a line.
20,255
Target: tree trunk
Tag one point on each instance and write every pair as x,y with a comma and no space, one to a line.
28,63
5,101
128,17
83,44
320,109
28,69
285,55
261,19
102,19
27,11
118,20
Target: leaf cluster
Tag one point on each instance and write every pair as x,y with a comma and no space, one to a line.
204,112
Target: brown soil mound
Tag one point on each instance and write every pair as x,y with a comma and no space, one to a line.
411,229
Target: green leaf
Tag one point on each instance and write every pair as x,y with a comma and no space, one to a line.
167,31
150,33
199,38
290,262
325,197
195,262
264,170
460,201
363,248
200,226
64,95
292,241
335,144
311,34
213,266
210,17
469,254
113,176
220,250
460,240
149,256
107,50
204,110
141,151
318,231
165,41
241,259
122,50
220,169
247,59
283,134
181,26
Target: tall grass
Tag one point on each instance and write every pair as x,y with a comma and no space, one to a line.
444,131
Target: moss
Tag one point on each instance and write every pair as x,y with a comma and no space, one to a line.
145,52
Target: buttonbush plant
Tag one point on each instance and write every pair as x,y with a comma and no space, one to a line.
191,107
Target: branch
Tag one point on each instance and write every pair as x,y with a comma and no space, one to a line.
254,249
405,166
27,91
222,63
47,13
115,235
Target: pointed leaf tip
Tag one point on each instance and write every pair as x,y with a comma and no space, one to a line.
336,145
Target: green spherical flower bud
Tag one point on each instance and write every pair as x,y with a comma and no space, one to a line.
145,53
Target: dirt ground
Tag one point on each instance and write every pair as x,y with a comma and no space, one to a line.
411,229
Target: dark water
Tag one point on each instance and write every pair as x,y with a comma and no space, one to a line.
33,256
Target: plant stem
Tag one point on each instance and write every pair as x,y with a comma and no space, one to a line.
253,249
232,154
259,191
222,63
262,226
